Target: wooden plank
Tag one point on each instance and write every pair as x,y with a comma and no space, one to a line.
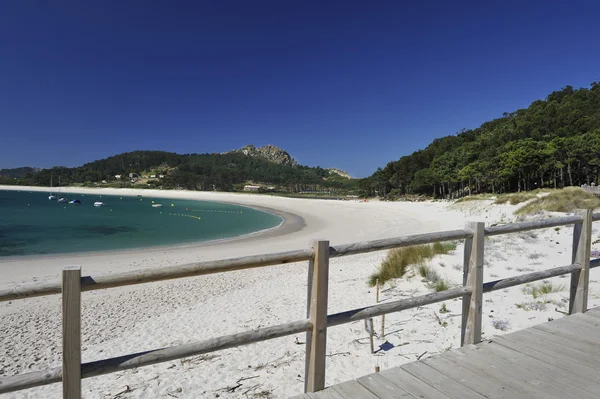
411,384
466,299
531,376
554,359
318,317
580,349
472,325
482,385
562,380
582,244
130,361
352,389
595,312
490,371
588,337
528,278
379,309
397,242
308,339
532,225
441,382
328,393
71,332
382,387
158,274
554,350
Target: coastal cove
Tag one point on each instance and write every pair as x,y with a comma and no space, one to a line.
31,224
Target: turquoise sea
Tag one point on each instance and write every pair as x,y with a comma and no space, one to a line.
30,224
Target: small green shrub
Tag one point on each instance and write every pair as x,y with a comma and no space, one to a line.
440,285
444,309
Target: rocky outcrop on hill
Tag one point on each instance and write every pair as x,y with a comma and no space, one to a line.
339,172
269,152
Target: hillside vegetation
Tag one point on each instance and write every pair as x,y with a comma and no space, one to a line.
553,143
222,172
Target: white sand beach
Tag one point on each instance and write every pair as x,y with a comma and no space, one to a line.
155,315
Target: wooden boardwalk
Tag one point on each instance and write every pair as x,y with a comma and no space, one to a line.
559,359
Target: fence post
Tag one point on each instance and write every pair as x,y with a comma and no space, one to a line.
316,346
71,325
582,245
473,277
308,340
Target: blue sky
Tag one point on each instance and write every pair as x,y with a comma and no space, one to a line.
347,84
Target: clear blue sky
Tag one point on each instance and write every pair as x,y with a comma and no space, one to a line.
348,84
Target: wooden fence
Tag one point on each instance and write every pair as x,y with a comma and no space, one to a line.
317,320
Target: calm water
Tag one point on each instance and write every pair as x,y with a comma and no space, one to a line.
30,224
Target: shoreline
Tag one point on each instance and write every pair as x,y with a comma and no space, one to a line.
290,223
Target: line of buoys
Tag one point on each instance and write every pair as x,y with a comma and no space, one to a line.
212,210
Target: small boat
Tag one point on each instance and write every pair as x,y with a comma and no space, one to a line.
51,197
62,199
75,201
98,203
156,205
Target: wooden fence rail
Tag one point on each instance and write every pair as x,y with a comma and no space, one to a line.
317,321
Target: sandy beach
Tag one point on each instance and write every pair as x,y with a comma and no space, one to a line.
150,316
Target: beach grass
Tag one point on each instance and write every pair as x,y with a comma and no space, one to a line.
397,261
565,200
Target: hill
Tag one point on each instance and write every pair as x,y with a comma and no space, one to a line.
17,172
267,166
554,142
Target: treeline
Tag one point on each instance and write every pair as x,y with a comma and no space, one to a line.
222,172
553,143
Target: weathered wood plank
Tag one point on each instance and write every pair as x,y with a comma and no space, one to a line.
581,350
494,373
486,387
71,332
536,343
584,336
528,278
352,389
531,377
130,361
471,329
595,312
308,339
89,283
563,380
382,387
395,306
582,244
397,242
553,359
440,381
412,384
318,317
532,225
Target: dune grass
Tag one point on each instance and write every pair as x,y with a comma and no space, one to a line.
545,288
476,197
515,198
397,261
565,200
